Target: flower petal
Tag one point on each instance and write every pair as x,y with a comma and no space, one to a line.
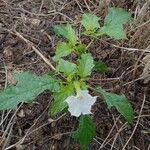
81,103
74,106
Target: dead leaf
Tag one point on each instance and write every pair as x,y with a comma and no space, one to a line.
35,22
11,71
21,113
57,136
8,52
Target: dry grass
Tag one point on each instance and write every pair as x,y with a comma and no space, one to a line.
27,38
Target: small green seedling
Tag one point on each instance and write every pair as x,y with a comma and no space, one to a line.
71,91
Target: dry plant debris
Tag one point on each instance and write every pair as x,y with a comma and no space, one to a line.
34,21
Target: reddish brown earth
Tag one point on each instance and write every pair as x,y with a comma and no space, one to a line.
30,127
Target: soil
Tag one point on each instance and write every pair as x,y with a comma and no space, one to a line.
30,127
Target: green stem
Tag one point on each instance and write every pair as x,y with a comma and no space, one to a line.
76,85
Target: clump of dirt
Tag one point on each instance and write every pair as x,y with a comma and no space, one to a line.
30,126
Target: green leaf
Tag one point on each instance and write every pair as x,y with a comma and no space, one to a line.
68,32
62,50
66,67
83,85
59,103
90,22
86,131
113,23
115,32
100,66
29,86
81,48
120,102
61,30
117,16
86,64
71,35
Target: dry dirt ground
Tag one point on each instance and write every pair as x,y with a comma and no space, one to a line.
30,127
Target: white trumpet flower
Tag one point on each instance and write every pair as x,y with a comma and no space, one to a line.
81,103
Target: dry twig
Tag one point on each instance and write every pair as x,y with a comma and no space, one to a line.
35,49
